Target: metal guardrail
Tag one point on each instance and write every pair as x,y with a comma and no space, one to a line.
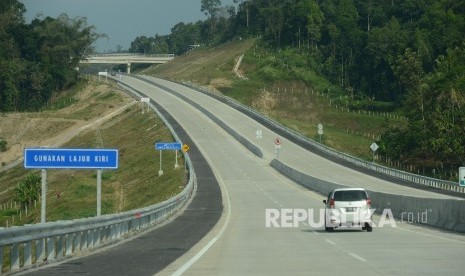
406,176
33,245
133,55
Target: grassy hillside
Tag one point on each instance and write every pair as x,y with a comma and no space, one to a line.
72,193
280,86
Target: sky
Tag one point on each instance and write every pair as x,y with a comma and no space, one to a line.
122,20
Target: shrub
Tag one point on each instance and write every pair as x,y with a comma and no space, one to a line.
28,190
2,145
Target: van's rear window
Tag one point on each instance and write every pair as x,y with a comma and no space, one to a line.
350,195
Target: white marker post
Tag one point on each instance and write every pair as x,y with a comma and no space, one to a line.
320,131
462,176
277,146
374,147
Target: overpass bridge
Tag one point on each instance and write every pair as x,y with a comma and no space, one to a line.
128,59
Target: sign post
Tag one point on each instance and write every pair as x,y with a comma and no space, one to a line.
168,146
44,196
462,176
55,158
320,131
277,146
374,147
99,193
160,171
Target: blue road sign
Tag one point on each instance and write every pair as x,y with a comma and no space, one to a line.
168,146
44,158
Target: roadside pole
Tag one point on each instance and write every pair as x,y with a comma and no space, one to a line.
44,196
160,172
99,193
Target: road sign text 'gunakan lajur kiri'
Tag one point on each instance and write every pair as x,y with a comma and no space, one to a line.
45,158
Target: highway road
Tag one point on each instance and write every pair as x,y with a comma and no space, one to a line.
291,154
242,244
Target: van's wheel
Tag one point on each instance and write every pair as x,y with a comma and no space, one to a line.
368,227
329,229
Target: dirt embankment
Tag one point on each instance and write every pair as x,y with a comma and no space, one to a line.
55,127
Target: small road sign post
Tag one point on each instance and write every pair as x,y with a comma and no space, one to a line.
462,176
374,147
185,149
277,147
56,158
320,131
168,146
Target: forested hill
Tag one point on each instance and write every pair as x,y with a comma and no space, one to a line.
38,60
410,53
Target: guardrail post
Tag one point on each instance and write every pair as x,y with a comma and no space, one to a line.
40,254
84,240
77,242
60,246
1,259
97,236
51,249
28,254
69,244
14,257
110,231
90,237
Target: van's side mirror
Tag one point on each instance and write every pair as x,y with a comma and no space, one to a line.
324,201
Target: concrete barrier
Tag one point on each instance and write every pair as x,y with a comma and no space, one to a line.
448,214
241,139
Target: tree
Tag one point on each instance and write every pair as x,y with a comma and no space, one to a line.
409,71
447,118
28,190
245,4
210,8
39,59
314,21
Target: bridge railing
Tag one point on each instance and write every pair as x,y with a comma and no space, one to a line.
33,245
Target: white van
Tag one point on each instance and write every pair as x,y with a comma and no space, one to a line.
348,208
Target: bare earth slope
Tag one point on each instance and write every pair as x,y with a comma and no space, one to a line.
53,128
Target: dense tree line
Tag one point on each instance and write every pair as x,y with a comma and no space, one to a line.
40,59
410,53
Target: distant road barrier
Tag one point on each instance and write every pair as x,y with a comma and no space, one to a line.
33,245
241,139
134,54
441,213
334,155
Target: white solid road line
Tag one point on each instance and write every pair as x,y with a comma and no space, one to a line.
197,256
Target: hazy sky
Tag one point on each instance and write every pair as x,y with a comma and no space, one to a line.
122,20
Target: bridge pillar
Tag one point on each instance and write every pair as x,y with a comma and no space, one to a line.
128,68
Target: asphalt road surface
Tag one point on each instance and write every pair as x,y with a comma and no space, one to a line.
241,243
